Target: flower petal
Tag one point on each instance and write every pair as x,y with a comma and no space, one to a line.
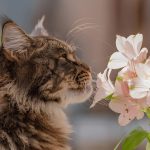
100,95
117,60
120,41
139,115
129,51
116,105
143,71
142,56
148,61
148,99
138,39
139,92
124,119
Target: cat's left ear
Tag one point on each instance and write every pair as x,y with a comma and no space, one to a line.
39,29
15,41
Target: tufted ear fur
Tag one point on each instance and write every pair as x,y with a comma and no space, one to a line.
15,41
39,29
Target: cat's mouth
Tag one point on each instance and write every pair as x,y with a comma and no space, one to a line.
79,89
79,95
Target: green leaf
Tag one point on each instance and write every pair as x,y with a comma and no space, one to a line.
134,138
148,137
148,146
119,78
147,111
109,97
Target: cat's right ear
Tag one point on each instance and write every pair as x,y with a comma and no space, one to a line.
39,29
15,41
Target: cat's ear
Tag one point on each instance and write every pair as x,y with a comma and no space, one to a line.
39,29
15,41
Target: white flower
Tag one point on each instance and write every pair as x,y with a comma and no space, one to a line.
129,49
104,86
141,84
130,94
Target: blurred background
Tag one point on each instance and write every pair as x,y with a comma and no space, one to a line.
97,128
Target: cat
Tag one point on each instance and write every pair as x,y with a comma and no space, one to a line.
39,76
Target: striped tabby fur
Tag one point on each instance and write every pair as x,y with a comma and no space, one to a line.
39,76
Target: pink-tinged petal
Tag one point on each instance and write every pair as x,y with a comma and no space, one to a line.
142,103
139,115
122,88
117,60
117,105
124,119
125,88
127,73
129,50
118,87
148,62
133,111
148,99
142,56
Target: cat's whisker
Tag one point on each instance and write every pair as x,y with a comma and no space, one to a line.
104,103
79,30
82,27
82,20
94,81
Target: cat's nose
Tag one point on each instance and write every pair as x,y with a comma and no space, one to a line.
85,67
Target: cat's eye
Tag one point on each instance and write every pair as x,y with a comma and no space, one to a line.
64,55
62,52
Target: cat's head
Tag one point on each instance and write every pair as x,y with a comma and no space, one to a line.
44,67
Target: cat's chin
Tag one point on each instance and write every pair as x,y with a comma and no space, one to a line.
73,96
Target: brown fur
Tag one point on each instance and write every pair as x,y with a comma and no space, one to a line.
39,76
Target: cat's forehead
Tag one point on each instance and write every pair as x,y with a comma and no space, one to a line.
61,44
55,43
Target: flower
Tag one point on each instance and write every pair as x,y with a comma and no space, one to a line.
126,106
104,86
127,109
141,84
129,49
130,95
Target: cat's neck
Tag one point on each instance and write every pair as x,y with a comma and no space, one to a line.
53,125
13,97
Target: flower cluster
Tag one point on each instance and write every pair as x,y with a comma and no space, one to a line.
130,94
